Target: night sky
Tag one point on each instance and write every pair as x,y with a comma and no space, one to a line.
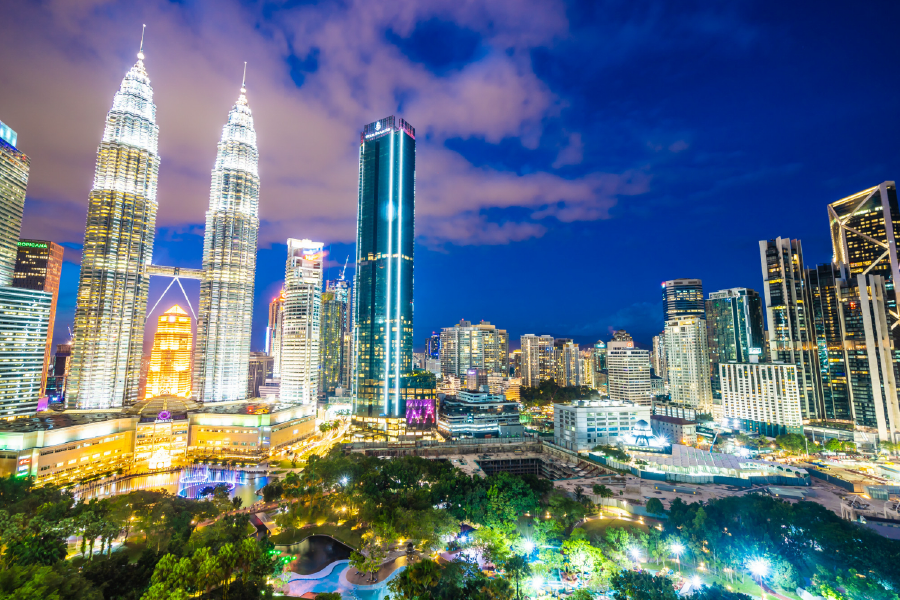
571,156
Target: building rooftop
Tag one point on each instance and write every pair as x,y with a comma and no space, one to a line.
48,420
673,420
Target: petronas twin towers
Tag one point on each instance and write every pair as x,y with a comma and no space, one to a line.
118,255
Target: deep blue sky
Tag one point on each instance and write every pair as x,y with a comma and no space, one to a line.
570,156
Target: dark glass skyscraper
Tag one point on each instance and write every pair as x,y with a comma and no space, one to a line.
384,271
735,330
683,298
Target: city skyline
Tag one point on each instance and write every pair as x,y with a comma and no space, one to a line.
487,148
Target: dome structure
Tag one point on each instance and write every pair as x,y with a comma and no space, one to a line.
163,407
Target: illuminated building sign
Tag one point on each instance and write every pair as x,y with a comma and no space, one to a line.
32,245
420,413
163,416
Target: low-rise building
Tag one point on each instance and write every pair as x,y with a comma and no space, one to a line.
675,429
479,414
583,424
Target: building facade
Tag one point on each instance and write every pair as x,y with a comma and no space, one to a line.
762,397
628,375
675,429
301,323
118,245
14,169
333,332
56,381
687,363
229,262
735,330
481,346
261,365
791,333
567,359
537,359
583,424
170,362
479,414
273,332
24,321
683,298
39,267
383,304
658,356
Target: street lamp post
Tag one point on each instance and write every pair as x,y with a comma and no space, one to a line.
677,549
760,568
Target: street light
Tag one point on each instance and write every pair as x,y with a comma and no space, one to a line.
760,568
528,546
636,555
677,549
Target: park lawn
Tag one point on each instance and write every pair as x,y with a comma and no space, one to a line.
749,586
599,526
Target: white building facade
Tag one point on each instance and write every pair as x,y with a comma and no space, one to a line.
628,373
761,392
687,362
583,424
301,322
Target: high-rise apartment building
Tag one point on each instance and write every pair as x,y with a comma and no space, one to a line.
687,362
658,357
761,397
735,331
273,332
343,294
792,337
169,373
229,263
856,349
537,359
383,293
301,322
567,359
39,267
598,354
14,169
118,245
628,376
682,298
481,346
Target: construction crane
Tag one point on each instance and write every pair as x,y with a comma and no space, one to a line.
344,270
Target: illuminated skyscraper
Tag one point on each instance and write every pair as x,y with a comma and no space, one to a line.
682,298
38,267
735,331
384,270
301,322
170,362
537,359
221,360
481,346
334,346
118,245
14,169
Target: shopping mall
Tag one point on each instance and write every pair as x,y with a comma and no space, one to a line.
155,434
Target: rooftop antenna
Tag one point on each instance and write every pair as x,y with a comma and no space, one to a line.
244,80
141,51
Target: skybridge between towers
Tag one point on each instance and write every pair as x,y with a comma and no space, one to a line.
177,274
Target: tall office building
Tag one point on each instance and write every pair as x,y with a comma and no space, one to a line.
274,331
537,359
222,357
24,320
14,169
481,346
383,293
566,357
56,383
735,331
855,346
658,357
433,346
864,230
682,298
301,322
598,354
169,373
118,245
792,337
260,370
38,267
687,362
334,350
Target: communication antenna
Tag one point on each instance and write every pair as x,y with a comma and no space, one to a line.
244,80
141,51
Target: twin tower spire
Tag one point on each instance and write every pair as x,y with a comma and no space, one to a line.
111,304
